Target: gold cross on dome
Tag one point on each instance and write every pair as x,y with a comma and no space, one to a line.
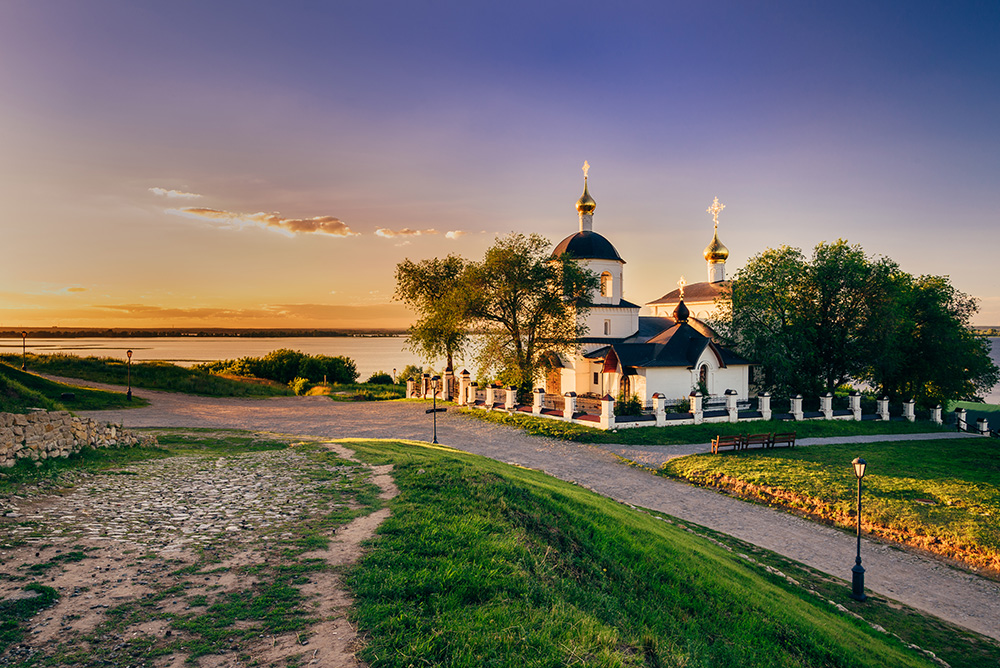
586,168
715,210
681,283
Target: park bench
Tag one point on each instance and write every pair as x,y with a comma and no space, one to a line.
733,442
762,440
784,439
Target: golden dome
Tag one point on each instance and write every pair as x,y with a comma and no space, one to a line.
586,203
716,251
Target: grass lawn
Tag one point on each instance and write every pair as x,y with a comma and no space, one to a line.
359,391
942,495
20,391
149,375
701,433
482,563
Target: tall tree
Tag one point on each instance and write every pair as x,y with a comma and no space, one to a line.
842,316
527,304
432,289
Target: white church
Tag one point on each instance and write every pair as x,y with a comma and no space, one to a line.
670,352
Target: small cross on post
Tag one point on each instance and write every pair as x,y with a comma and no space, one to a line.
681,283
586,168
715,210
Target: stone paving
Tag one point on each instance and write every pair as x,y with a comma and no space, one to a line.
922,582
177,503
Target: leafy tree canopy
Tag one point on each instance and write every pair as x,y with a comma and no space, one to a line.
432,289
815,324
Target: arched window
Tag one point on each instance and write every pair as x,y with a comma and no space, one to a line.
606,284
703,375
625,387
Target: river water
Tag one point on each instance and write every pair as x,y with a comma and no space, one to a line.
370,353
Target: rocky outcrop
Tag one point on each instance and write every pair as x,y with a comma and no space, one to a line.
46,435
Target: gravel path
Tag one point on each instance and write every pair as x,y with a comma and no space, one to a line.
924,583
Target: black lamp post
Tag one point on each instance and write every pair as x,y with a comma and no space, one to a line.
434,385
129,374
858,573
24,351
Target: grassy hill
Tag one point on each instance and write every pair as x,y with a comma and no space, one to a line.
482,563
21,391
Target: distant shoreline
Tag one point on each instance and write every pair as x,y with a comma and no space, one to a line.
156,332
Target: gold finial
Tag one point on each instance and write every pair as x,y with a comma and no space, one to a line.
681,283
586,203
716,251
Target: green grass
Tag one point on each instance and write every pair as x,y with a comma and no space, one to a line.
148,375
360,391
15,614
702,433
482,563
941,495
20,391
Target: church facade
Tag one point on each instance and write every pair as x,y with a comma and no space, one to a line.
671,352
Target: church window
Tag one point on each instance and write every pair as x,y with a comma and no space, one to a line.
597,378
607,327
606,284
703,376
625,387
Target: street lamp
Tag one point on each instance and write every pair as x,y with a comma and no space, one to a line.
394,375
435,380
858,573
24,351
129,393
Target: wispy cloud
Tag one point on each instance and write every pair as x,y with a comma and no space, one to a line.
405,232
454,234
76,289
291,226
174,194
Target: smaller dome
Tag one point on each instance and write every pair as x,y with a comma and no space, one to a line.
586,203
716,251
681,313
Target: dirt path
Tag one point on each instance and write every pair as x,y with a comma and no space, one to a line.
924,583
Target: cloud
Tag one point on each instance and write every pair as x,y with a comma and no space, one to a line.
290,226
76,289
454,234
405,232
173,194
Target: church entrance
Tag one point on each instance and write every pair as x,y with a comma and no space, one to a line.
625,387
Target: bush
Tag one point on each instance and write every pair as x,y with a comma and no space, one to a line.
380,378
285,365
299,385
630,405
410,371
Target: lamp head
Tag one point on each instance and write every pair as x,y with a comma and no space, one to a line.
435,379
129,353
859,467
24,335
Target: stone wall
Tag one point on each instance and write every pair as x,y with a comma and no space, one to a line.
45,435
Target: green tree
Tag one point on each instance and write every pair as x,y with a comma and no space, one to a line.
527,305
431,288
842,316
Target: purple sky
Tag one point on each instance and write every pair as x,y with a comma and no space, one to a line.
230,163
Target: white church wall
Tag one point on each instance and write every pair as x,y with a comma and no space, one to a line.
614,268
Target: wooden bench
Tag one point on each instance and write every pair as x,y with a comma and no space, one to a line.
733,442
762,440
784,439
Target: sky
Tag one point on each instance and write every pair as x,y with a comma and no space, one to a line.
267,164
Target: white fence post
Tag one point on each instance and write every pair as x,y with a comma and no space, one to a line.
464,379
764,405
411,388
908,412
855,399
570,406
960,420
490,400
983,426
731,407
797,407
607,412
826,406
659,407
536,401
696,410
936,415
511,399
883,408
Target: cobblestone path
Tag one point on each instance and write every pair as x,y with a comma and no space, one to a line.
924,583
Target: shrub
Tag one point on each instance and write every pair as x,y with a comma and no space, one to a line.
410,371
628,405
299,385
286,365
380,378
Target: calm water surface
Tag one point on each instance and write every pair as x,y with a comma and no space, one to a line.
370,354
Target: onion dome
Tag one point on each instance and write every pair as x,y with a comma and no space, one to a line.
681,313
587,246
716,251
586,203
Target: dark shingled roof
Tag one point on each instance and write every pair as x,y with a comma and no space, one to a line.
587,246
696,292
680,345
